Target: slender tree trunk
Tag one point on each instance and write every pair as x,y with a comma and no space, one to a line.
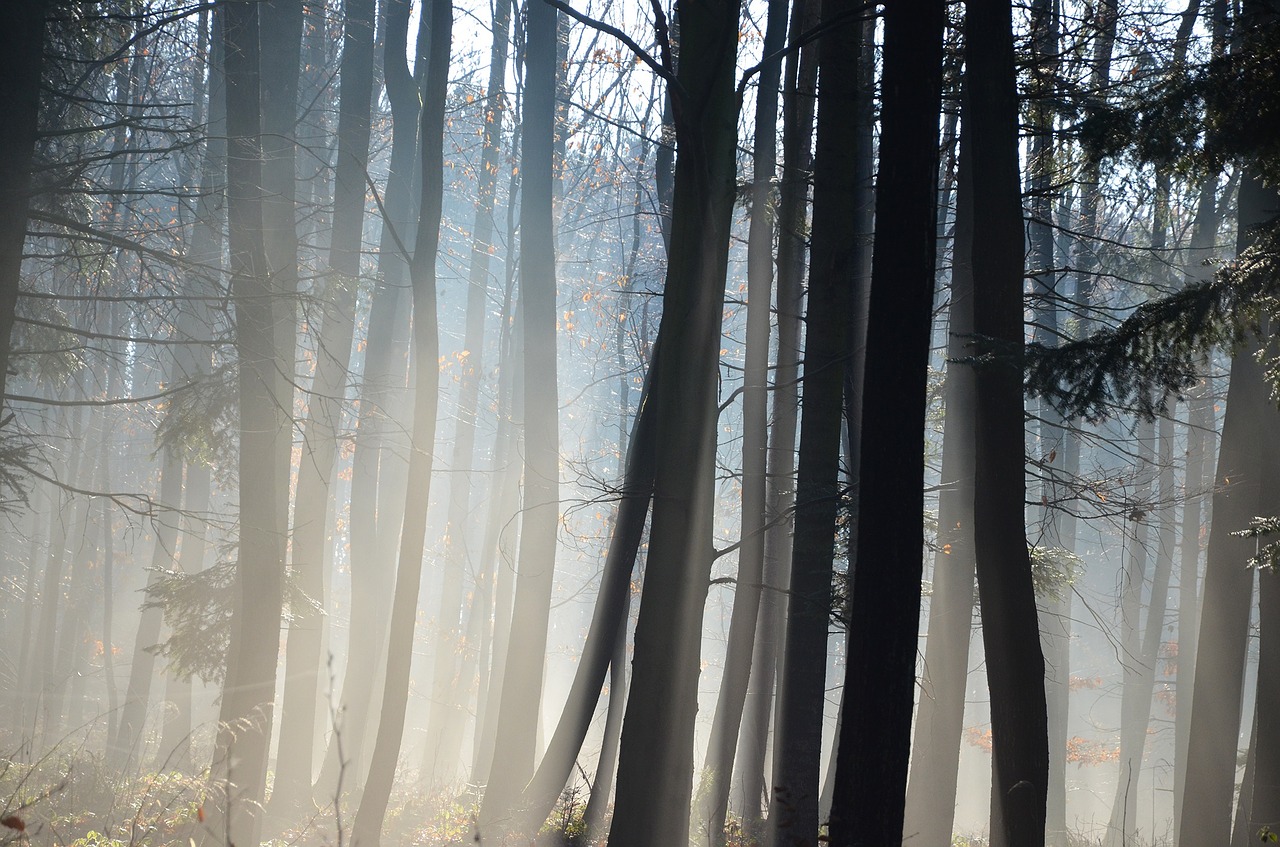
320,431
800,85
519,709
377,790
377,474
793,812
727,719
448,700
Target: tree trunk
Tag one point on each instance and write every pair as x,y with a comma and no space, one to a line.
655,766
793,812
875,738
246,713
519,708
21,64
1228,585
1011,635
800,85
727,719
320,431
931,789
377,790
448,699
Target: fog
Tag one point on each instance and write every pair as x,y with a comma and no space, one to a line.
345,496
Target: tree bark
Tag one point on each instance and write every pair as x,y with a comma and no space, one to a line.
874,743
655,766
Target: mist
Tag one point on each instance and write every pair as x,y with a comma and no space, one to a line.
430,422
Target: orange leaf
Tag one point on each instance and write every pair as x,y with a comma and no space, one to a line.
14,822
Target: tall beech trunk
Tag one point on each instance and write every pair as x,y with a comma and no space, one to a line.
875,737
798,106
377,473
1228,585
320,431
1010,629
655,765
793,812
21,64
247,707
931,788
727,719
426,341
449,690
520,706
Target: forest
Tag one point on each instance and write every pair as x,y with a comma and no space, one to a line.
738,423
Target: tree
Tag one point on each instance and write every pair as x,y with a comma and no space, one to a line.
871,765
426,341
657,731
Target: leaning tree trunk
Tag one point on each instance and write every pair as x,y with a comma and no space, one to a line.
426,340
874,743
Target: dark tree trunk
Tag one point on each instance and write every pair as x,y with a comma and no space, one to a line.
21,63
727,719
931,790
655,766
875,738
1010,629
793,811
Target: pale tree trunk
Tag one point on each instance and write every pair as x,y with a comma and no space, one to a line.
800,87
247,702
520,706
377,474
450,690
292,786
426,341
